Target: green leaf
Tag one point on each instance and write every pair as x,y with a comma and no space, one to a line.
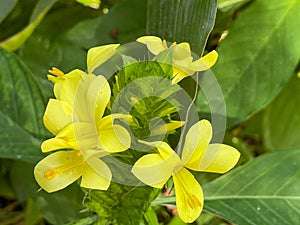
21,110
91,3
179,21
6,7
32,214
16,142
121,204
258,57
281,119
16,41
264,191
150,217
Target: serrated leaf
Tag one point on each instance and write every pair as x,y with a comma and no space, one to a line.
281,119
121,204
264,191
258,56
180,21
21,110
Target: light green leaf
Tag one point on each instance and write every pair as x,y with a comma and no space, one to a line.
121,204
258,57
5,8
180,21
91,3
17,40
264,191
229,5
281,119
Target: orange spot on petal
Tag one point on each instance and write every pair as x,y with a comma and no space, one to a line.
49,174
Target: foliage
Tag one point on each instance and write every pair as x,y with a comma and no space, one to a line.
258,46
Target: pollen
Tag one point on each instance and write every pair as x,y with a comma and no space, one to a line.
49,174
56,72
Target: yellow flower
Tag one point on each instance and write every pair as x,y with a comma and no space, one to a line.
75,118
155,169
183,64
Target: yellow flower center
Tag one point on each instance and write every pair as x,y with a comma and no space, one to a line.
56,72
51,173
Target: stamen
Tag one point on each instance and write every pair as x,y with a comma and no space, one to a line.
56,72
51,173
164,43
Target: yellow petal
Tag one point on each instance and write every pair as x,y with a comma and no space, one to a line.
66,87
114,139
55,144
154,44
189,196
58,170
58,114
98,96
81,110
167,127
205,62
152,170
96,174
98,55
218,158
75,136
182,51
196,142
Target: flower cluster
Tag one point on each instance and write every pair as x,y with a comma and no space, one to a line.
85,132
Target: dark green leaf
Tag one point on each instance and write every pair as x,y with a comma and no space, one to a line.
40,7
258,56
6,7
21,110
264,191
281,119
58,208
180,21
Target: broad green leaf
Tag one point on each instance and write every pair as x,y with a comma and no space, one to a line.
121,204
16,142
21,109
258,57
17,40
264,191
6,7
180,21
281,119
